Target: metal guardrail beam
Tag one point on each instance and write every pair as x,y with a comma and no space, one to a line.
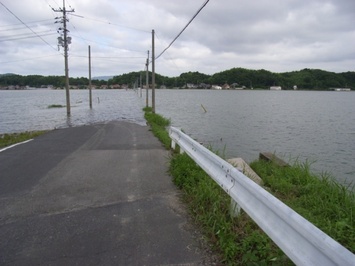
299,239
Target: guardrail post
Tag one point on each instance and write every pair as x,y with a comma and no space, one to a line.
235,209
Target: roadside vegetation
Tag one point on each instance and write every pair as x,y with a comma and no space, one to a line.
158,125
10,139
55,106
239,241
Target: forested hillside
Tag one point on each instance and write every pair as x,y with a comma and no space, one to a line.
38,81
305,79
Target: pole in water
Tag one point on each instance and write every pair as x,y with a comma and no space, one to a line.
203,108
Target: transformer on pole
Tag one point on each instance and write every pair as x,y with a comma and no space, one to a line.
63,41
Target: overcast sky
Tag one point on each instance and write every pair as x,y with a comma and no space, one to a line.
276,35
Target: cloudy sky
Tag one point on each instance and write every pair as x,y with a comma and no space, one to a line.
276,35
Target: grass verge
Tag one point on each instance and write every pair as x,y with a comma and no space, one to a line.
10,139
158,125
240,241
320,199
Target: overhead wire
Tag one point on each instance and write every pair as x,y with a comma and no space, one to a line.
110,23
194,16
26,37
170,56
27,59
20,26
27,26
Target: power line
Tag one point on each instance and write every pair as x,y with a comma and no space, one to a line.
20,24
27,34
177,68
108,22
198,11
27,37
27,26
27,59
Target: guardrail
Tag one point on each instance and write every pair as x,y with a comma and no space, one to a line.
299,239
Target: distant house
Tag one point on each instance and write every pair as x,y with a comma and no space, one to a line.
226,87
342,89
188,86
115,86
275,88
204,86
216,87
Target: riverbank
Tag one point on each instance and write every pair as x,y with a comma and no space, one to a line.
319,199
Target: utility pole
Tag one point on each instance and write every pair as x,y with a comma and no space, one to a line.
140,84
90,93
153,74
64,42
147,81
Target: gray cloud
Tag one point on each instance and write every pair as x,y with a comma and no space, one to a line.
274,35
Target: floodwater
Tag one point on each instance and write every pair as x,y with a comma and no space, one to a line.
27,110
318,127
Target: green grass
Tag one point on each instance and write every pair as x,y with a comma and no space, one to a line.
10,139
158,126
239,241
320,199
56,106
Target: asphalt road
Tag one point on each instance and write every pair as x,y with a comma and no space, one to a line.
93,195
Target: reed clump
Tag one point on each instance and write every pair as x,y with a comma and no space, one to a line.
55,106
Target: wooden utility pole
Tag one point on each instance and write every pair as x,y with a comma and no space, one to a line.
90,92
64,42
140,84
147,81
153,73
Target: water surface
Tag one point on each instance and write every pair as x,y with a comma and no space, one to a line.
318,127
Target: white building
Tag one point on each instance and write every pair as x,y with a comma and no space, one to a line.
216,87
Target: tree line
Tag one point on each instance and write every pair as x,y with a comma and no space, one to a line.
307,79
36,81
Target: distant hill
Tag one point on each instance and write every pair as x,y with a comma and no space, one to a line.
7,74
105,78
305,79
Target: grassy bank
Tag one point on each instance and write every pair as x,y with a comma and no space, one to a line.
10,139
158,125
320,200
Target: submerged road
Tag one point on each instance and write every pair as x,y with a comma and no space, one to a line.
93,195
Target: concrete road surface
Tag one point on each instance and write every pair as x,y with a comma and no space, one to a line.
93,195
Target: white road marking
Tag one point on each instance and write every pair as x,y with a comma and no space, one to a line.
9,147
